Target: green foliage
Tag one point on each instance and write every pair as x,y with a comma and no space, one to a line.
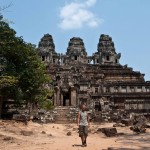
7,81
22,74
47,105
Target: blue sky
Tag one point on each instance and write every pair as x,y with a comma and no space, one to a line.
126,21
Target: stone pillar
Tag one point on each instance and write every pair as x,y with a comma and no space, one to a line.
46,58
58,97
119,89
61,99
79,58
102,104
136,89
111,89
62,61
55,99
104,89
143,89
95,62
73,96
128,89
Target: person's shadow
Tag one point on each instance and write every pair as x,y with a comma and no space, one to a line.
77,145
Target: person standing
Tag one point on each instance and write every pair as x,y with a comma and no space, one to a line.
83,123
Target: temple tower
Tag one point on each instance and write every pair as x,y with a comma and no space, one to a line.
46,50
76,52
106,52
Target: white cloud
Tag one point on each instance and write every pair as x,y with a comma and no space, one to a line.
90,2
75,15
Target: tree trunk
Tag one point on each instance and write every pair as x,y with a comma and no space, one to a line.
1,103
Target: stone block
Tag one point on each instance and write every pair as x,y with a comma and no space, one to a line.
109,132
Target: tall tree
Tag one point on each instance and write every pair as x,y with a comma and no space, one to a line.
22,74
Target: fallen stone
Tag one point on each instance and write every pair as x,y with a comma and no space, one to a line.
21,117
69,133
109,132
26,133
43,132
139,126
74,129
50,134
116,125
138,129
131,128
93,131
119,125
147,125
126,122
8,138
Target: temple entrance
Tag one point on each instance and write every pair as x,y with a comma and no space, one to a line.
83,101
66,99
98,106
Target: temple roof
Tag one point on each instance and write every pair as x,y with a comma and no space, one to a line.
76,47
46,44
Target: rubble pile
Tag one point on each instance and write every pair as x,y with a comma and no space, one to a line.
69,114
139,124
43,116
58,114
21,115
40,116
127,122
117,116
73,114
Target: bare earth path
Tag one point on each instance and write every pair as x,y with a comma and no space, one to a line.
17,136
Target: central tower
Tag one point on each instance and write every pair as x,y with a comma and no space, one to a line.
76,52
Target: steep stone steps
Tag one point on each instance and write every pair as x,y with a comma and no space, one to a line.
65,114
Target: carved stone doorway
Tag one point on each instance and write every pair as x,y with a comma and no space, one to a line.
66,99
98,106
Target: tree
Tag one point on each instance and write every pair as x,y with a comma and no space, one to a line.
2,8
22,74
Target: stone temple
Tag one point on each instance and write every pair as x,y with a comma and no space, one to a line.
99,80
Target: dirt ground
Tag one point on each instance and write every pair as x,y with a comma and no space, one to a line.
34,136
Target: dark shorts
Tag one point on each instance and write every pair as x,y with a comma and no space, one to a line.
83,131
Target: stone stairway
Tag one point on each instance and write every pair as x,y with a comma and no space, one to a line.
65,114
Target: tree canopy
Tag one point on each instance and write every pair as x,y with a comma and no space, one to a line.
22,74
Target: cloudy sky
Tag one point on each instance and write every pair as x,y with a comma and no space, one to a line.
126,21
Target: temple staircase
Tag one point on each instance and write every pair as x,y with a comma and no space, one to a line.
65,114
